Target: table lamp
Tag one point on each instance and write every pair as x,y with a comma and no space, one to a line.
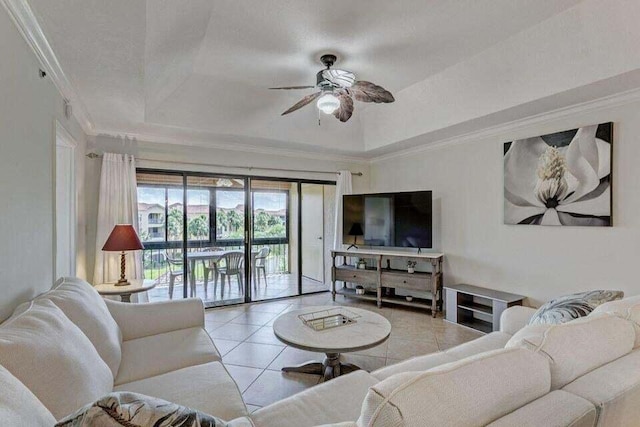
123,237
355,231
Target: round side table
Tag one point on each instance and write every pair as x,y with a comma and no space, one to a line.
136,286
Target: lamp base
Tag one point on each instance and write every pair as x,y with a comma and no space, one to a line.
352,246
122,282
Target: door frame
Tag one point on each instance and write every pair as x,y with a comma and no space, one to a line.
248,239
64,141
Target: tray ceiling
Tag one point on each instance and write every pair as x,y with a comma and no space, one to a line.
199,70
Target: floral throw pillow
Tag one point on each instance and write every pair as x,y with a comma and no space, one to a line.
569,307
132,410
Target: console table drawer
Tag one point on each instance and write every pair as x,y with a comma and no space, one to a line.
356,276
415,281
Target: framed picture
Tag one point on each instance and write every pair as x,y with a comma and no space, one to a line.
562,178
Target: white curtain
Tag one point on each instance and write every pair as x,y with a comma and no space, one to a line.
344,187
118,204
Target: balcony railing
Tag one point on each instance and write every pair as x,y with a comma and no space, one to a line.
156,266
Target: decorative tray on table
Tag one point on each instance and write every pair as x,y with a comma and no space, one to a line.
328,319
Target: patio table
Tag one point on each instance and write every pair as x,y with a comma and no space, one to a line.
192,257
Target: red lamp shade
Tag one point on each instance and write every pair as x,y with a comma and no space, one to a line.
123,238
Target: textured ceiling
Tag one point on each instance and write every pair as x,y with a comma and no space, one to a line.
200,68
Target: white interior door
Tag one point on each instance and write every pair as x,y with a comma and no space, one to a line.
65,205
313,232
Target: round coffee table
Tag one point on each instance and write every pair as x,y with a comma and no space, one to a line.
368,330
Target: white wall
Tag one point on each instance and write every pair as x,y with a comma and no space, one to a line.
539,262
165,156
28,107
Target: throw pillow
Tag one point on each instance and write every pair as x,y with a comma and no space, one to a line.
570,307
132,409
51,356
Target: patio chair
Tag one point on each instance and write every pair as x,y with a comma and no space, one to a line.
233,266
176,269
261,264
208,266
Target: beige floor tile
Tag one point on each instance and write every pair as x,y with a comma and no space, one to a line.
377,351
253,408
404,349
243,375
413,332
253,355
225,346
212,326
368,363
272,386
255,318
292,356
234,331
223,315
265,335
269,307
391,361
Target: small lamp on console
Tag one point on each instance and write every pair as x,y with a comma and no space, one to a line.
355,231
123,238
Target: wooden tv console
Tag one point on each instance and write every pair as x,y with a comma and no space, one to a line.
386,280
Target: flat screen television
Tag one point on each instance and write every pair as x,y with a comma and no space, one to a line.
388,219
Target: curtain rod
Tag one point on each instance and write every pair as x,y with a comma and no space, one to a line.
96,156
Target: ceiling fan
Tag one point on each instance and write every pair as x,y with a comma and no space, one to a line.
337,90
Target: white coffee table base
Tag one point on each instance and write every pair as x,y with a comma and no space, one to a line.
330,368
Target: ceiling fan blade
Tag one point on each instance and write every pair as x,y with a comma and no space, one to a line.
344,112
369,92
291,87
339,78
304,101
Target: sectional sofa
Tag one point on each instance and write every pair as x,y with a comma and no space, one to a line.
68,347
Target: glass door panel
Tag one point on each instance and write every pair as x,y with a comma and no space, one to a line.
160,220
215,227
315,237
274,236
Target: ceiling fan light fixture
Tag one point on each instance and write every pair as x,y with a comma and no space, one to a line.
328,103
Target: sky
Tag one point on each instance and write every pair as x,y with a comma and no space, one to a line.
225,199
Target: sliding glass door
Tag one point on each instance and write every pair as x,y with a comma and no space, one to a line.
274,239
233,239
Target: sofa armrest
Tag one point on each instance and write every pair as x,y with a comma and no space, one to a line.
515,318
142,320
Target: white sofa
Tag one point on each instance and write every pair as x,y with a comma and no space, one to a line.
68,347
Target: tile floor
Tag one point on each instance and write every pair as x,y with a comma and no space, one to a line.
254,356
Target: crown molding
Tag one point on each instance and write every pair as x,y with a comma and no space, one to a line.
232,146
28,26
610,101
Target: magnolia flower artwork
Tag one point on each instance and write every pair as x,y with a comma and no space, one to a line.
563,178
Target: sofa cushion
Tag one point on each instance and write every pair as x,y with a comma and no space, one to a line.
628,308
574,306
470,392
492,341
157,354
19,406
137,410
52,357
335,401
87,310
208,388
415,364
614,389
577,347
556,409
